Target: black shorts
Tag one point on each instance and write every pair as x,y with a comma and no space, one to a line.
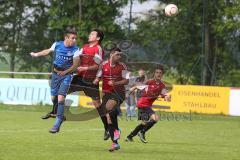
85,84
144,114
118,97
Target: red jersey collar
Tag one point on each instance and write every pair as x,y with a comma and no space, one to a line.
111,64
93,45
156,81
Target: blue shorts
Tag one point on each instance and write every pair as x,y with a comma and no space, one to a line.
60,84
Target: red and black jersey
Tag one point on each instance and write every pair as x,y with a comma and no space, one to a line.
114,73
90,55
150,93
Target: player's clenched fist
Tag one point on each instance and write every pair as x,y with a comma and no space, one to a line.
33,54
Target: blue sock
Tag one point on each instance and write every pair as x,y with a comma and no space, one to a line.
60,113
58,122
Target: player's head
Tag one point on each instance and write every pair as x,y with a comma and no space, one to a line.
141,72
115,54
95,36
70,36
159,71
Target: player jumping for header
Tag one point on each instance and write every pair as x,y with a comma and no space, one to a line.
65,62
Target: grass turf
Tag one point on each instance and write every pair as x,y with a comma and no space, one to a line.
23,135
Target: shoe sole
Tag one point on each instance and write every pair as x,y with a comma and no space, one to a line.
49,116
56,130
127,140
53,132
143,141
105,139
115,149
106,135
141,138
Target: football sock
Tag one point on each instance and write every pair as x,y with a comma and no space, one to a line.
60,111
55,105
57,122
104,120
136,130
113,115
60,114
148,125
103,117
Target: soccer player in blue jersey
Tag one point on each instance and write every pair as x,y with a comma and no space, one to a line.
65,62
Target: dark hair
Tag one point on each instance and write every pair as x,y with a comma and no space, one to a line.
114,49
160,67
70,30
100,34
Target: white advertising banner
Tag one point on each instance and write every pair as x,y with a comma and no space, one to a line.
28,92
234,106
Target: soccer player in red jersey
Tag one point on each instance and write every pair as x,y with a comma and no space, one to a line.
114,76
152,89
91,56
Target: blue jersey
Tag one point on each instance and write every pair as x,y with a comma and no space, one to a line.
63,55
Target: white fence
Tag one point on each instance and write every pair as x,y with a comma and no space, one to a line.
27,91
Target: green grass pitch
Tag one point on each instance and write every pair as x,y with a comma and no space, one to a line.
24,136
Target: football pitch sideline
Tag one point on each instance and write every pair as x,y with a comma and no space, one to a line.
24,136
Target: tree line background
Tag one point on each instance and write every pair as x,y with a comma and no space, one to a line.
200,45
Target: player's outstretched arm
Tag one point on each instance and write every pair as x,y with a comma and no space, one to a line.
41,53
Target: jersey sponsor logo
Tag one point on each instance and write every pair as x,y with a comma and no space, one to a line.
65,58
69,53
